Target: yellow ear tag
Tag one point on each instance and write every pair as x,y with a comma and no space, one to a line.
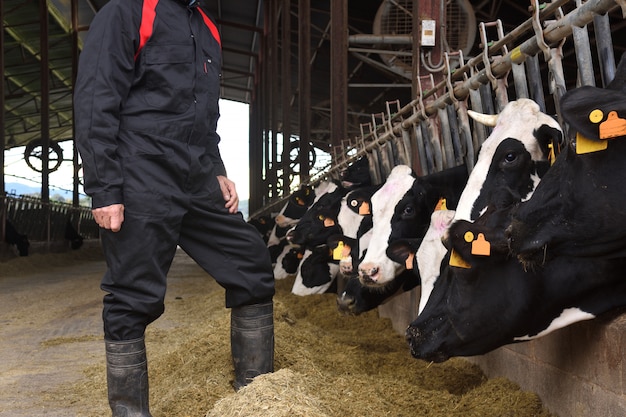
480,246
612,127
409,261
584,145
328,222
456,260
338,251
468,236
441,204
364,209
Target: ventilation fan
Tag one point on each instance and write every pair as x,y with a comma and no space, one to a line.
395,17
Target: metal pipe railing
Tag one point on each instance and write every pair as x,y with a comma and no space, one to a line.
407,117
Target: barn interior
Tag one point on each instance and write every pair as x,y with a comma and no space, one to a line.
326,82
347,80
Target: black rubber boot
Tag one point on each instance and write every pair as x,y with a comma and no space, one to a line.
252,341
127,378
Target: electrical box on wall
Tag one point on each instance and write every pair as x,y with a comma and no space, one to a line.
428,32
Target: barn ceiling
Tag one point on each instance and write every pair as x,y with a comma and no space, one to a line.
374,78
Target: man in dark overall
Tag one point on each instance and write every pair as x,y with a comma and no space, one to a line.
146,111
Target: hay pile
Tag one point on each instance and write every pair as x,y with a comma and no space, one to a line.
327,365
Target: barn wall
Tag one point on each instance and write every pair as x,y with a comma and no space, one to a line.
577,371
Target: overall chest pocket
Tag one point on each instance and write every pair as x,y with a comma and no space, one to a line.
169,74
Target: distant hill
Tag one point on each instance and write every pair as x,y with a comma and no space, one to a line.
16,188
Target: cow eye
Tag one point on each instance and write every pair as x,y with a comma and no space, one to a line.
510,157
408,211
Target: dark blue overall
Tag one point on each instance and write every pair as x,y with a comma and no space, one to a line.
146,132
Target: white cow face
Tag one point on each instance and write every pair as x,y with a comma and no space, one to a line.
376,268
515,155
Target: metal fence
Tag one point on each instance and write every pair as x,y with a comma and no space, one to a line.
46,222
433,132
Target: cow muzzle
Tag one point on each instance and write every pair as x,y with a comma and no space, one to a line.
369,274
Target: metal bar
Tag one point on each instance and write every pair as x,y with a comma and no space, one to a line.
304,82
602,29
339,72
286,94
582,46
380,39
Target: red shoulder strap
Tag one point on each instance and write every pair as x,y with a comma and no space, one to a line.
148,14
211,26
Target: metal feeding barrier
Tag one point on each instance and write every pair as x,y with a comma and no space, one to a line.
433,132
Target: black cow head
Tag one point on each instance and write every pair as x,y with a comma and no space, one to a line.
319,222
578,208
473,311
357,174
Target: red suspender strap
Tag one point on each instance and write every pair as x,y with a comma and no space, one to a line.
211,26
148,14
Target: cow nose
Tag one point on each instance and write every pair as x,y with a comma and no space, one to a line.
345,303
368,272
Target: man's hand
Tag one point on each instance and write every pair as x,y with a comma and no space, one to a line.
230,194
109,217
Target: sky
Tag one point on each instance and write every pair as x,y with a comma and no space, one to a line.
232,128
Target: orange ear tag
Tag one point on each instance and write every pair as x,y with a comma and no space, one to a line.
409,261
346,251
584,145
551,156
441,204
364,209
328,222
456,260
480,246
612,127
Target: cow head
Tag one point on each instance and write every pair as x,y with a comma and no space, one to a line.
357,174
319,222
357,298
512,159
297,204
473,311
401,209
577,209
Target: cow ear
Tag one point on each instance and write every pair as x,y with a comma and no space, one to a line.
550,139
400,250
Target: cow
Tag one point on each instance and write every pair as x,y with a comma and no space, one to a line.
297,204
356,175
495,301
401,208
512,159
13,237
264,224
579,209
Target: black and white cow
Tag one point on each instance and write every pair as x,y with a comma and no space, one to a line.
264,224
13,237
295,207
495,301
401,208
579,208
510,163
485,299
405,203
